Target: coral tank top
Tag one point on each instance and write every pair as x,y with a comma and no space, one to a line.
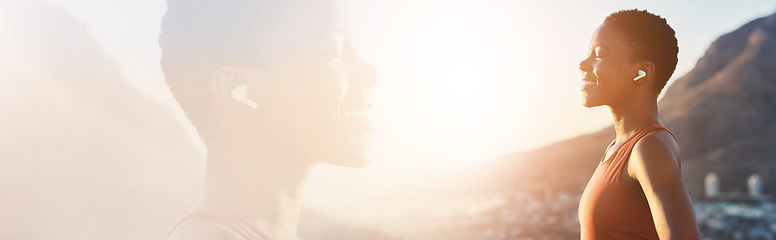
606,210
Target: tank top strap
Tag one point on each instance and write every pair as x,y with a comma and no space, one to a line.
624,151
239,225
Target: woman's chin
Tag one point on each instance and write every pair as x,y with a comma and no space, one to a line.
355,153
358,162
354,159
589,102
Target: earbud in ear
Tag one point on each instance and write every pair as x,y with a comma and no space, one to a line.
642,74
240,94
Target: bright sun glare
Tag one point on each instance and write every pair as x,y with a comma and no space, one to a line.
457,60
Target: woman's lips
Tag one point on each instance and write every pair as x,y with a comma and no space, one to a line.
587,84
359,117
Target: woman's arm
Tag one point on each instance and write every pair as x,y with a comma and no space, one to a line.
654,162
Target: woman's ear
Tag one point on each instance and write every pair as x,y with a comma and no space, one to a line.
645,72
232,90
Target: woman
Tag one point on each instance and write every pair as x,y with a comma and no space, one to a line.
273,88
636,191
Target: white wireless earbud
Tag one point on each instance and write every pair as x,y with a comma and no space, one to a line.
642,74
240,94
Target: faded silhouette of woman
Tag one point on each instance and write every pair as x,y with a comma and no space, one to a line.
273,88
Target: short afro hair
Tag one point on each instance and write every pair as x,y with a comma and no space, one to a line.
651,38
198,37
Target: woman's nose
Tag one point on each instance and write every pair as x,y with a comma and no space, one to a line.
585,65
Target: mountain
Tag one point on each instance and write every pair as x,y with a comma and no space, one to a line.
723,112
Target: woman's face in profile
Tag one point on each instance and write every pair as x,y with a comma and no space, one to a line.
608,69
314,85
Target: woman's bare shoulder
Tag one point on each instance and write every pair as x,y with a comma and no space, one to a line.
655,160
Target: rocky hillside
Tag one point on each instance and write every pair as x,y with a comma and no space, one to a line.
723,112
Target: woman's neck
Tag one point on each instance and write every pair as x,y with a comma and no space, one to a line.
633,115
259,181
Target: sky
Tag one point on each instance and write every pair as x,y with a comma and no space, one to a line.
462,81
